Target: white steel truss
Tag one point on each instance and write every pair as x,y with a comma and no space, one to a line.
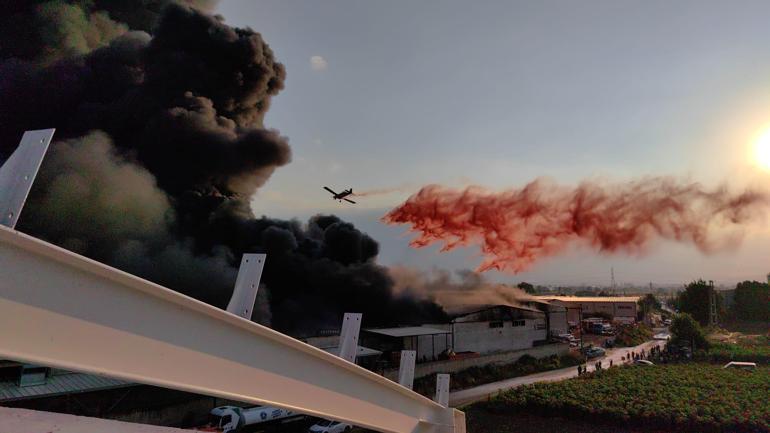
60,309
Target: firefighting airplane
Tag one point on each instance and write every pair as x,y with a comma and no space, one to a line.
341,195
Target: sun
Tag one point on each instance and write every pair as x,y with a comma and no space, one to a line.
762,149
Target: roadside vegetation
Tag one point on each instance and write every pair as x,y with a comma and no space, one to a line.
686,331
633,335
686,397
751,350
475,376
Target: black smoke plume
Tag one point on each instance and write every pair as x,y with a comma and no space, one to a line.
159,110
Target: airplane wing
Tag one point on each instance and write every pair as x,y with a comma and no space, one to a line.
349,201
329,189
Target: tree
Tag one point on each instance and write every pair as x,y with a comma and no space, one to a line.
694,300
529,288
752,301
647,304
685,329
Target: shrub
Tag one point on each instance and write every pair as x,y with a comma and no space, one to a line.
474,376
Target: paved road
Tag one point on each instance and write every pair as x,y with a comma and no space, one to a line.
470,395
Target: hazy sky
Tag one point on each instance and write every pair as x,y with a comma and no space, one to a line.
398,94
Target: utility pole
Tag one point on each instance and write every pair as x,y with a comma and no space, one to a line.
580,327
713,316
612,279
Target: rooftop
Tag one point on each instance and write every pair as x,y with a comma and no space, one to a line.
59,384
407,331
470,309
362,351
590,298
24,420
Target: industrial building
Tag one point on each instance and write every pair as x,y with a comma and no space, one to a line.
621,309
480,330
499,328
555,316
429,342
330,342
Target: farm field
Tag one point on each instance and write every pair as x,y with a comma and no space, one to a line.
685,397
736,346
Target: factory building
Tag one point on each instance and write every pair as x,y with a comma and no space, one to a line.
330,342
499,328
480,330
621,309
429,342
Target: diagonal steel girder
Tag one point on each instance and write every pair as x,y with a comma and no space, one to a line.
61,309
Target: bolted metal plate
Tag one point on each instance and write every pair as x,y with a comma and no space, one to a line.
351,325
406,368
442,389
246,285
19,171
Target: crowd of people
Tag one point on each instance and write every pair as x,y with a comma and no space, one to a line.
654,353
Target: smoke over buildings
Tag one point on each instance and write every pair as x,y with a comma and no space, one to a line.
159,110
518,227
456,290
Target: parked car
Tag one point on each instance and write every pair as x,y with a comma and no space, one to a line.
643,362
662,336
567,338
326,426
594,352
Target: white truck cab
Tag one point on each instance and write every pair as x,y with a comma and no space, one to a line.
327,426
228,419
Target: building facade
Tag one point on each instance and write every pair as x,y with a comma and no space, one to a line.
428,342
499,328
623,309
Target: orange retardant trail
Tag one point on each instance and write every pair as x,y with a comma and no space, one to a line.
517,227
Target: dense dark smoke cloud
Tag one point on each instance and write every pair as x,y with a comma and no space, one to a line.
159,110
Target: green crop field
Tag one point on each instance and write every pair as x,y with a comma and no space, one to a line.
755,349
691,397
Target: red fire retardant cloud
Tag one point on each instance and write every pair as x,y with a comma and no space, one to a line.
517,227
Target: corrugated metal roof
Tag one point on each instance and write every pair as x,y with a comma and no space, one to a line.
58,385
590,298
362,351
25,420
470,309
408,331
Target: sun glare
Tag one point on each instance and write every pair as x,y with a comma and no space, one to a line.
762,149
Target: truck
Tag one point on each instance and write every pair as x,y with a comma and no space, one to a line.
597,326
230,419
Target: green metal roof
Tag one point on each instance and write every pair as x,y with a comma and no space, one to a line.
58,385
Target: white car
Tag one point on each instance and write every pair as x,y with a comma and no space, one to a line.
326,426
743,365
662,336
643,362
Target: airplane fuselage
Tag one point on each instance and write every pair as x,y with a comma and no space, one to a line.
343,194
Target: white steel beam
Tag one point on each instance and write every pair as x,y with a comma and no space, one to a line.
351,326
63,310
246,285
19,171
406,368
